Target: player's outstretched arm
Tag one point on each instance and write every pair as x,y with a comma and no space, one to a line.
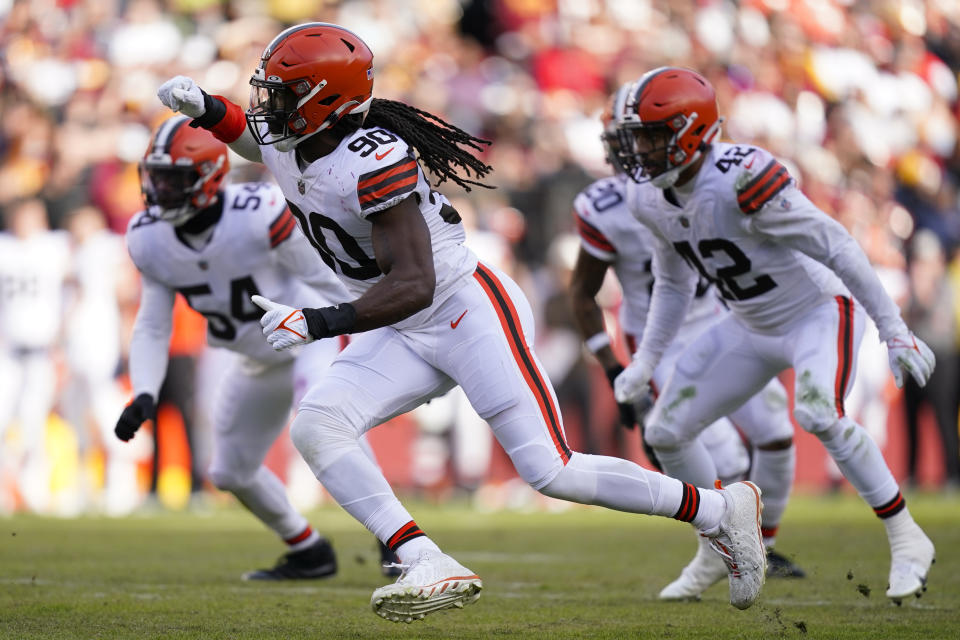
149,349
796,222
585,282
224,119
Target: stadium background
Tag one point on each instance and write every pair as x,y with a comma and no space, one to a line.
858,98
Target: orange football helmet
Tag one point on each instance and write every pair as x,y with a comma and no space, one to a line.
309,77
182,170
665,122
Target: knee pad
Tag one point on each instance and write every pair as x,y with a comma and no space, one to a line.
322,436
226,480
815,417
662,438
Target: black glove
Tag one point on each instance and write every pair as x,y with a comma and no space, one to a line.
134,415
628,417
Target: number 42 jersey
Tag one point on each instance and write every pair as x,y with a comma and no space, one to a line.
369,171
255,248
771,253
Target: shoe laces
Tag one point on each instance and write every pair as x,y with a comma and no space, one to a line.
404,568
724,552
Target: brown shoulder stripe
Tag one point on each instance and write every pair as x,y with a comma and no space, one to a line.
381,185
594,236
763,187
281,228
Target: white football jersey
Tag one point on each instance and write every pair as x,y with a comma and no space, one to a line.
740,228
369,171
239,260
32,274
609,232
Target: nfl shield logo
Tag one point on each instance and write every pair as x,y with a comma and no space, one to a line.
301,187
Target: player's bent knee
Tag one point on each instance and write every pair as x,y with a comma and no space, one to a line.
814,418
225,480
322,437
664,439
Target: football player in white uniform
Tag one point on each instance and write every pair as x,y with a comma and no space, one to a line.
34,265
428,315
611,237
217,245
787,272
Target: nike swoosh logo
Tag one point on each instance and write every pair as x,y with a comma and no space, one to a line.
750,164
290,318
454,323
381,156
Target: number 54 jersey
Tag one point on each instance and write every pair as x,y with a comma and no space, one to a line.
747,229
255,248
369,171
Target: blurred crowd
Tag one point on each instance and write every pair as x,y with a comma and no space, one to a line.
859,99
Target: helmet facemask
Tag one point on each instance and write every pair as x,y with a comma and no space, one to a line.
650,152
277,104
176,193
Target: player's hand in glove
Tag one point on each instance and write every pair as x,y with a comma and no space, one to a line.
284,326
135,414
908,353
182,94
633,382
628,417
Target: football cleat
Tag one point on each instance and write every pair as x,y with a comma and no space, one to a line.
316,561
389,562
909,567
433,582
780,566
739,543
705,570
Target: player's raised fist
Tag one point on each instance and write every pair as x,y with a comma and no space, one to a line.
284,326
182,94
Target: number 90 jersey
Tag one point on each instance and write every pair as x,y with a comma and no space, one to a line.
748,230
369,171
240,259
609,232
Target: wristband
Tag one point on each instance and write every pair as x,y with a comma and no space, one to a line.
221,117
330,321
597,341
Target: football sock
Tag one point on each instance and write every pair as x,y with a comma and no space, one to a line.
266,498
860,460
773,472
304,539
410,550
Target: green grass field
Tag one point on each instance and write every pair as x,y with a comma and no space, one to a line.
581,573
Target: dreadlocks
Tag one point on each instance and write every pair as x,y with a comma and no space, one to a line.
437,142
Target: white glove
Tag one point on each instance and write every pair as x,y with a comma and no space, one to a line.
284,326
633,382
908,353
182,94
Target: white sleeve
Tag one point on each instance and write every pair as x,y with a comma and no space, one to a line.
802,226
674,285
246,146
150,345
300,259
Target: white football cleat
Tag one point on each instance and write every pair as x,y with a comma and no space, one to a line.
705,570
434,582
909,565
739,543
